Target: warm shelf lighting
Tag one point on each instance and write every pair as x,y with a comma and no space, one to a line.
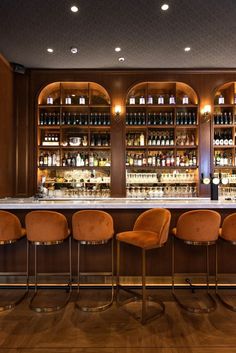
117,110
74,9
206,109
164,7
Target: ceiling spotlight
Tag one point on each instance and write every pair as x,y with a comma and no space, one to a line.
117,49
165,7
121,60
50,50
187,49
74,50
74,9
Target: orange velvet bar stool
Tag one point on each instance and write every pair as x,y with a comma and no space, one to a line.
199,228
46,228
150,231
227,233
92,227
11,232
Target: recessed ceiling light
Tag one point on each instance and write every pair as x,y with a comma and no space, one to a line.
164,7
74,50
121,59
50,50
187,49
74,9
117,49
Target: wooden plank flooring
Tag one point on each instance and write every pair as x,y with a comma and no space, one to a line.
114,331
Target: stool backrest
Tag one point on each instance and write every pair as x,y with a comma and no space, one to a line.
10,227
92,225
46,226
156,220
199,226
229,228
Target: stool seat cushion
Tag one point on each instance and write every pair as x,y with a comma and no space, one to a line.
142,238
10,227
46,226
198,226
228,230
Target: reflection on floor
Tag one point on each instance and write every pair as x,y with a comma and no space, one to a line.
114,331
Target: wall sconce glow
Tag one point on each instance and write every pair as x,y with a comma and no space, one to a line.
206,110
50,50
74,8
164,7
117,109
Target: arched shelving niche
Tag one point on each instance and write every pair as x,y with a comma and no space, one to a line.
162,135
73,140
223,138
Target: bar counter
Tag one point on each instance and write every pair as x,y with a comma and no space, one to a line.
124,212
114,203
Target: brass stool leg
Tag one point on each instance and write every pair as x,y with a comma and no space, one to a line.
188,308
11,305
137,297
100,307
48,309
219,296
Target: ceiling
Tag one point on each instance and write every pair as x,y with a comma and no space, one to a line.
148,36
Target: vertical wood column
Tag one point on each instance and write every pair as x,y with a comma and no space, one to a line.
7,130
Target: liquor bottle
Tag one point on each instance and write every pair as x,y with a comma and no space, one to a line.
142,100
132,100
41,159
81,100
68,100
221,99
160,100
49,100
142,142
185,99
171,99
150,100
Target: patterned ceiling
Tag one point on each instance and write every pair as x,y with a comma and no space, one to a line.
149,37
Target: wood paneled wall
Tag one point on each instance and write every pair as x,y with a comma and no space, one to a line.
117,83
7,130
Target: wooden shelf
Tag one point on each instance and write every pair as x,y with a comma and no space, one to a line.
69,168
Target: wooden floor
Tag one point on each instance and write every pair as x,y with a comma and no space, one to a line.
114,331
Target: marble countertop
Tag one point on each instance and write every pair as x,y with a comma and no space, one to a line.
114,203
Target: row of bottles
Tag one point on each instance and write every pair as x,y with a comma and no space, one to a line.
85,160
223,159
47,159
157,99
221,99
223,138
225,118
135,139
184,118
81,100
100,140
160,118
50,139
161,159
162,138
74,118
185,139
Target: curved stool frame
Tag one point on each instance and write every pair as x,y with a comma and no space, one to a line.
107,305
219,296
188,308
143,298
48,309
11,305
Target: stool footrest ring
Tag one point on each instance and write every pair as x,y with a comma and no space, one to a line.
11,305
137,297
192,309
49,309
225,303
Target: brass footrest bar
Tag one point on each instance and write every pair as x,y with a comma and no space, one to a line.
137,297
